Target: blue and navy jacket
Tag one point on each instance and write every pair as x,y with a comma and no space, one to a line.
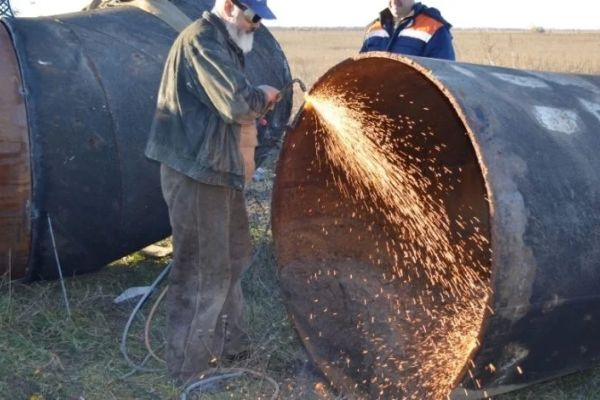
423,33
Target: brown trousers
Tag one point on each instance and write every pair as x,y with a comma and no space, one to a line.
211,250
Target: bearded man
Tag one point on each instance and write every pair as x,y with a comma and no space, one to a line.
410,28
204,134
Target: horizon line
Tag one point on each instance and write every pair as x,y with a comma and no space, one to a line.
348,27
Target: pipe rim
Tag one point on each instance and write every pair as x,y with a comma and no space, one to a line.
472,138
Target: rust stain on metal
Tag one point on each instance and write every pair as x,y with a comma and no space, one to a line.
15,170
514,281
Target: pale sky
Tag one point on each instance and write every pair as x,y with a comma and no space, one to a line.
524,14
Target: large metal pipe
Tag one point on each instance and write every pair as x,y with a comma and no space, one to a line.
77,100
522,148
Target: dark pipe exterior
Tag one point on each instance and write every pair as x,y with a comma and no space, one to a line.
89,82
527,143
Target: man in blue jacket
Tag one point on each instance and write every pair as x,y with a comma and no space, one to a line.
410,29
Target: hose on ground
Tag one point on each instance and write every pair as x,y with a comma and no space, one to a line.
139,305
225,374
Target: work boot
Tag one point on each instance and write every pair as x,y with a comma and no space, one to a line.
238,348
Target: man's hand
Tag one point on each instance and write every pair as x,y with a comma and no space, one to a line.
272,97
271,94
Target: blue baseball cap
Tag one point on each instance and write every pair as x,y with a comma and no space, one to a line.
259,7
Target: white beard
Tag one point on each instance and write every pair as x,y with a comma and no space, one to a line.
245,40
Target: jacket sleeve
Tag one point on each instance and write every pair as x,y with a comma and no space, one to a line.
364,47
211,69
368,42
440,45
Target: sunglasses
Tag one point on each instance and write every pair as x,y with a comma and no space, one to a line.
249,13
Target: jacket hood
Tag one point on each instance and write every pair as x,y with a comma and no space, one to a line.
432,12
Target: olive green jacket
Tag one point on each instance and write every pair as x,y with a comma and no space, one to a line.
204,96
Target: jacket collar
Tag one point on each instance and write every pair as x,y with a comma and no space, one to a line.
216,21
387,19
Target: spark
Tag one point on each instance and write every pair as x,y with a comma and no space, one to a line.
385,176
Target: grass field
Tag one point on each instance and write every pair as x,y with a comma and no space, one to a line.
311,53
44,355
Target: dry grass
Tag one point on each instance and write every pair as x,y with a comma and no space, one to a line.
568,52
312,53
45,356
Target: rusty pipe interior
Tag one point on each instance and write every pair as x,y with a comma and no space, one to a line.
15,169
334,249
